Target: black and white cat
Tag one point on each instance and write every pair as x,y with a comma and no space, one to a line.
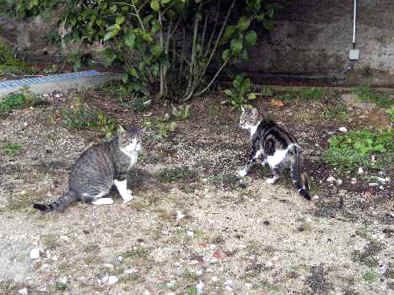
274,146
98,169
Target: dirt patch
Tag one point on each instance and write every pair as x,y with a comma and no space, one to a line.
193,227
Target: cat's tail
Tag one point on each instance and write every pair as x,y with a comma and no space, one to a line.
60,204
299,177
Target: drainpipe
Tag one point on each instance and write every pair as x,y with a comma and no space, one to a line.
354,53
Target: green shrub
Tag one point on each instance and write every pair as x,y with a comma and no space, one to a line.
241,93
18,100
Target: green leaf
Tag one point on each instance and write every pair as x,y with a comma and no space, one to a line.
155,5
129,39
120,19
226,54
251,38
109,35
228,92
236,46
251,96
165,1
147,37
228,33
156,50
243,23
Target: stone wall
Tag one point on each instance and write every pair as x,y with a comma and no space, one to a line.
313,38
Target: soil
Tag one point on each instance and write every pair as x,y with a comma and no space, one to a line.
193,226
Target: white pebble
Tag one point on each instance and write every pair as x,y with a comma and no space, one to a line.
112,280
190,233
360,170
200,287
23,291
343,129
330,179
35,253
353,181
372,184
179,215
339,181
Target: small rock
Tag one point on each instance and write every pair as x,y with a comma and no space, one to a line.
315,197
214,279
35,253
339,181
372,184
360,171
112,280
330,179
190,233
343,129
200,287
179,215
23,291
353,181
381,179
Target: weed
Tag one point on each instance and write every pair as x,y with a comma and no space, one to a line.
337,110
191,291
181,112
12,149
177,174
227,182
368,255
313,93
390,112
240,94
370,276
357,148
18,100
80,116
366,93
9,63
269,286
163,127
50,241
139,104
136,252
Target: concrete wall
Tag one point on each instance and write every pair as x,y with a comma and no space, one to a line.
313,38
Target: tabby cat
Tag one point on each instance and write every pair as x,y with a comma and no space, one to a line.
98,169
274,146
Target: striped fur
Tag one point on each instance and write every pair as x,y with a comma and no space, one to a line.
98,169
274,146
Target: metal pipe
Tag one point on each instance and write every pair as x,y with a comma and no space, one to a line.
354,22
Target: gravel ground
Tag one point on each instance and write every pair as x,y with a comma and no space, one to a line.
193,227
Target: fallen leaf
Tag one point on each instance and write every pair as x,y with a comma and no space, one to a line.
277,102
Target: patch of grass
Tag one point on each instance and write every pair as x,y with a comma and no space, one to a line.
191,291
12,149
18,100
81,116
366,93
162,127
177,174
337,110
370,276
357,148
307,93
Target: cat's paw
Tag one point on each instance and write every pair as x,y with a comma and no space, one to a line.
272,180
128,197
242,173
103,201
